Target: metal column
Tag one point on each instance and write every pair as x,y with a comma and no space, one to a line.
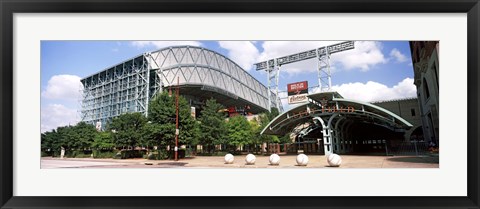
324,74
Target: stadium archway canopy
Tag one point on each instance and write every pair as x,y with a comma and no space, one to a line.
334,117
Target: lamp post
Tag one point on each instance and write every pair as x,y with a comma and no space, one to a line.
177,131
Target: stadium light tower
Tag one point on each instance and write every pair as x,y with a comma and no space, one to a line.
322,54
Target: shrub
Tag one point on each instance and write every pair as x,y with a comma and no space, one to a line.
118,155
47,154
56,154
158,155
181,154
126,154
104,153
78,153
220,153
189,152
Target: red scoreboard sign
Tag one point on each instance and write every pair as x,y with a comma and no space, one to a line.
297,88
297,92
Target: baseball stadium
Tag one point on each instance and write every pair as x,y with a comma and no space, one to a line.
202,74
322,123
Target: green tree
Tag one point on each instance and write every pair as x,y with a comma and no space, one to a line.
255,128
212,125
285,139
272,114
50,142
155,134
263,121
127,129
83,135
162,114
80,136
47,140
103,140
56,139
239,131
66,137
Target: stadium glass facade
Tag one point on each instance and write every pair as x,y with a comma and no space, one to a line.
202,74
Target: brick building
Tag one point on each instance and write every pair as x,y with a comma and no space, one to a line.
425,56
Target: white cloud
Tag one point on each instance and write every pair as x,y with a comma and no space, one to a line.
163,44
366,55
373,91
65,87
397,55
244,53
56,115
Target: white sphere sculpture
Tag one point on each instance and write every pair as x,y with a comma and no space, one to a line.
302,160
274,159
229,158
250,159
334,160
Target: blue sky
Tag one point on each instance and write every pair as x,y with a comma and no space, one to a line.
373,71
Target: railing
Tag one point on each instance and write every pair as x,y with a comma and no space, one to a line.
410,148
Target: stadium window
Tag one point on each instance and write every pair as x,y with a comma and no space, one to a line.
435,72
413,112
425,89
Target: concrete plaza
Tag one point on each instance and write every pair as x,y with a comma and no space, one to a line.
286,161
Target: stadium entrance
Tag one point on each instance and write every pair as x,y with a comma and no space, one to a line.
329,123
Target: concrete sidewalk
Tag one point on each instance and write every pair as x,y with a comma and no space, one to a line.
286,161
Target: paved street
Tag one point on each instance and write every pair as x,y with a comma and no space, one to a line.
75,163
286,161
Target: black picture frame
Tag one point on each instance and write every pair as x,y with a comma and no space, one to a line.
9,7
